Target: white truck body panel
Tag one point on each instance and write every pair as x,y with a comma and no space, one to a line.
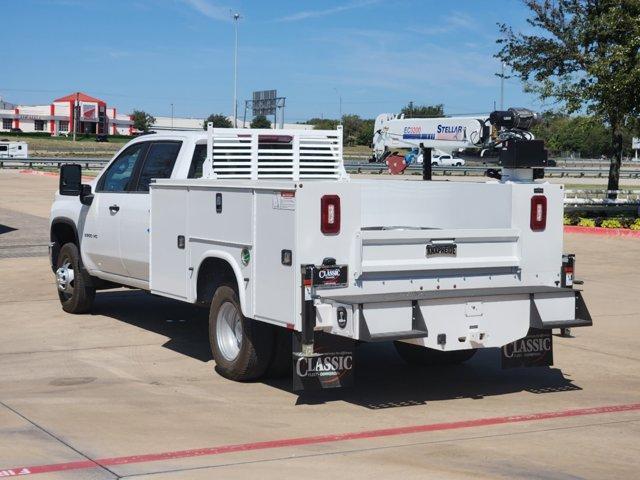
385,226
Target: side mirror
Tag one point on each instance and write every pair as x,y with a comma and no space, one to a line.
70,179
86,197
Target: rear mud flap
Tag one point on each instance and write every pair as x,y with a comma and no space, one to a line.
534,350
330,366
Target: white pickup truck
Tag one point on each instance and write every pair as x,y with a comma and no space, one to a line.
267,230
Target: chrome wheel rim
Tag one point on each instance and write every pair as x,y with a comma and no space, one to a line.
65,277
229,331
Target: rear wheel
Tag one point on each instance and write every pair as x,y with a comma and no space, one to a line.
73,281
417,355
434,164
242,348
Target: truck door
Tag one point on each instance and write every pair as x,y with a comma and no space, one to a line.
101,230
134,221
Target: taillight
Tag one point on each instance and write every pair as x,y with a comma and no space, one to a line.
538,213
330,214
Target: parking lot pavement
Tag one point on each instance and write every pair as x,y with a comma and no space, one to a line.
130,390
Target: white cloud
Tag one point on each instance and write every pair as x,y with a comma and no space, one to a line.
210,9
451,23
303,15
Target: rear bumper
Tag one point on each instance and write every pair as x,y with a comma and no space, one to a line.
452,319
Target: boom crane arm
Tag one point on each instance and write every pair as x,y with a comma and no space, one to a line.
451,133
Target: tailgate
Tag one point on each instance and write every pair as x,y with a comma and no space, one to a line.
401,249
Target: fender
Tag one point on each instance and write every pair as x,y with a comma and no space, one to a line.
67,221
222,255
53,250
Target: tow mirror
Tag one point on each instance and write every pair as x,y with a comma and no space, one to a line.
71,179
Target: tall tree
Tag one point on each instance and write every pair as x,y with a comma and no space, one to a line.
218,120
422,111
586,56
260,122
142,121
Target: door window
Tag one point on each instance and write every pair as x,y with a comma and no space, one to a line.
118,176
159,163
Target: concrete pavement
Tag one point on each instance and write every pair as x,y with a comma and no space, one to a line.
117,393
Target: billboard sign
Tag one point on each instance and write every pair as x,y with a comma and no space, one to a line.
89,111
635,143
264,102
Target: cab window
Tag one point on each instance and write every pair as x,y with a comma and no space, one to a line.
199,156
118,176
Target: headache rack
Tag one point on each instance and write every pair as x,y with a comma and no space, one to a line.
263,153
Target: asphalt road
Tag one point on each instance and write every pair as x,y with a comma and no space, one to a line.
130,390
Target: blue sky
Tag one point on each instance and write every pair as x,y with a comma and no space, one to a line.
147,54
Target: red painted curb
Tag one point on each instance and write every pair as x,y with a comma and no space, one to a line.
610,232
293,442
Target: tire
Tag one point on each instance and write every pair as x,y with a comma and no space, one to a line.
281,363
75,289
242,348
417,355
458,164
434,164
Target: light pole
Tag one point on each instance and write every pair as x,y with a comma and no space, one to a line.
236,16
340,103
172,116
75,116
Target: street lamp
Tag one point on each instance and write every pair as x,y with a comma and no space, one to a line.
236,16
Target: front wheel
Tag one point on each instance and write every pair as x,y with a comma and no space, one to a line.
242,348
417,355
434,164
74,283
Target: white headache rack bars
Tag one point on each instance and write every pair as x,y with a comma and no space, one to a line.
263,153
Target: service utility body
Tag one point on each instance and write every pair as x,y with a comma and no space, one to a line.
267,230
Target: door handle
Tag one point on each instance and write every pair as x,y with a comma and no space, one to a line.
114,208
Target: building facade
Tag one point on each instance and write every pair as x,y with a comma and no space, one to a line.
88,115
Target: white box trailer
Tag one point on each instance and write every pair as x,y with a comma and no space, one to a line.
275,235
10,149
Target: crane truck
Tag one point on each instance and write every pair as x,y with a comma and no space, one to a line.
297,262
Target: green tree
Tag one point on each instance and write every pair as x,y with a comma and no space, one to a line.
422,111
260,122
586,56
323,123
142,121
351,125
365,132
218,120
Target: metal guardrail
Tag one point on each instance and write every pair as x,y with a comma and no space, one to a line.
578,172
353,167
51,162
